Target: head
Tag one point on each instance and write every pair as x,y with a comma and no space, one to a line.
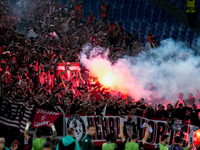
178,140
70,131
165,139
162,98
150,106
86,89
150,33
112,21
91,13
78,2
129,104
23,64
162,108
181,106
76,101
14,145
190,95
48,72
119,24
52,74
91,130
134,136
138,39
169,106
2,142
24,78
110,137
93,100
47,146
141,100
194,106
39,134
180,95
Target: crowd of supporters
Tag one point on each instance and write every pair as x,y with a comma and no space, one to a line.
30,55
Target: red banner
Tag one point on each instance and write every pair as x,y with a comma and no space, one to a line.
44,118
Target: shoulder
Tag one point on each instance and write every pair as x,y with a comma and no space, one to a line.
84,139
76,142
157,146
104,144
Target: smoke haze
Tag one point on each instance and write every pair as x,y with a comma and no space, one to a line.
170,69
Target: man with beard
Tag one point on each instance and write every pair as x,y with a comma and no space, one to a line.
163,144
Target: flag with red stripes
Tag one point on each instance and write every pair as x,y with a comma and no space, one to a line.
66,69
15,114
52,35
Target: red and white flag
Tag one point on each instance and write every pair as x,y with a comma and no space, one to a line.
66,69
52,35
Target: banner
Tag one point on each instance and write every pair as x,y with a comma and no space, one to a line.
44,118
66,69
132,124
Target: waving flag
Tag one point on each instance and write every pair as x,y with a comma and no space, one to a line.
53,35
15,114
67,68
44,118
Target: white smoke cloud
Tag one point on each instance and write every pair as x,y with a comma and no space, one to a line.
171,68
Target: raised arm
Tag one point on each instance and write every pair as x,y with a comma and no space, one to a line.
63,82
122,100
88,98
93,89
121,133
54,131
26,130
176,105
101,96
146,134
197,95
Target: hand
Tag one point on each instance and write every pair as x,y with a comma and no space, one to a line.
190,146
51,124
121,125
29,122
